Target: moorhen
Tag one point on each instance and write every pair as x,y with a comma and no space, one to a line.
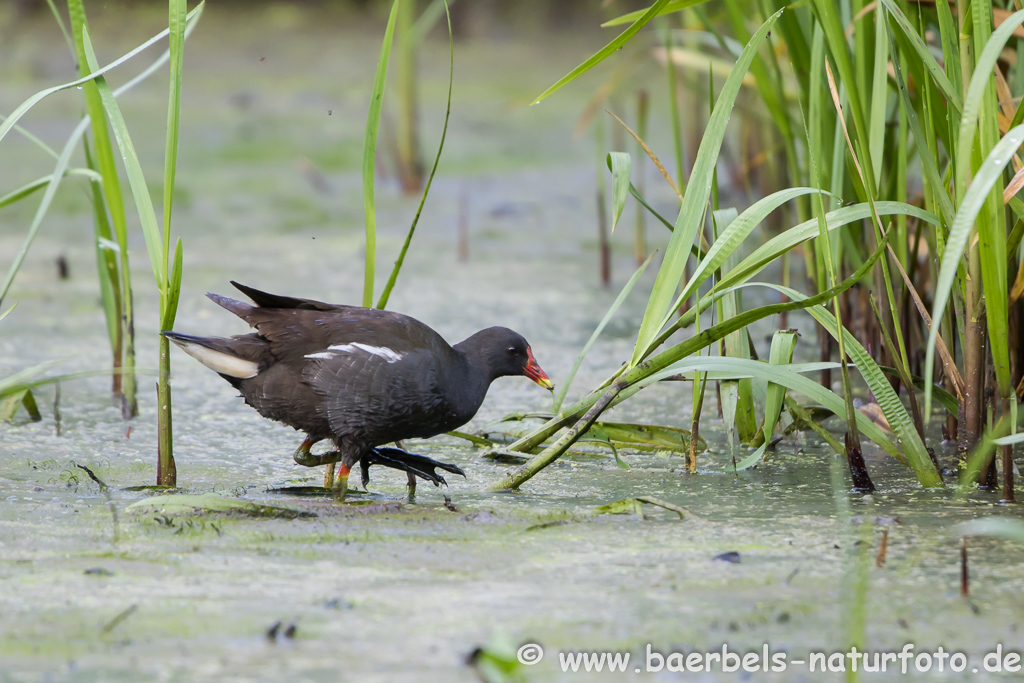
361,377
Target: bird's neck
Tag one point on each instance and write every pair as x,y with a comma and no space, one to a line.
470,376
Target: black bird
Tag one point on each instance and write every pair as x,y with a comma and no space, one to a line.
360,377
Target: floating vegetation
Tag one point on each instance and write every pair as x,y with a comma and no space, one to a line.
202,504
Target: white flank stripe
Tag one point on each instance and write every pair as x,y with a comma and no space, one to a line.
381,351
221,362
323,354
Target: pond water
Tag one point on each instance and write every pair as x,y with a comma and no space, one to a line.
394,589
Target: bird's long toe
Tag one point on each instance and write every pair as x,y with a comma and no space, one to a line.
415,465
420,462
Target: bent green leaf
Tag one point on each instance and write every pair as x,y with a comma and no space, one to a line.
620,164
607,50
695,200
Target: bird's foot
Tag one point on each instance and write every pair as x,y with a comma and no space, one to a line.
412,486
411,463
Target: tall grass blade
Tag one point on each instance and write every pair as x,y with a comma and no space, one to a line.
892,407
974,99
21,109
695,199
370,156
785,241
924,55
393,277
408,157
170,307
928,163
136,179
107,252
176,24
974,199
429,17
879,95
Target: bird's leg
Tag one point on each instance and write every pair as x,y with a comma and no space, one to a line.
412,477
302,455
341,483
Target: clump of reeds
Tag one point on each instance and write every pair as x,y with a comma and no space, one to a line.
911,278
104,117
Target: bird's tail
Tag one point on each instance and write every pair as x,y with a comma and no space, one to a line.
220,355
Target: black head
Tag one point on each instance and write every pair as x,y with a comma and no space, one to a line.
503,352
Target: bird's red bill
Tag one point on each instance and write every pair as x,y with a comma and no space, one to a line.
534,372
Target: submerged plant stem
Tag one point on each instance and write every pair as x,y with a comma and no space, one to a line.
513,480
166,471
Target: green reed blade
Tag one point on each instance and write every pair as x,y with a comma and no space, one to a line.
607,50
382,302
173,290
20,110
28,189
780,375
667,8
567,382
895,412
51,189
924,55
879,95
928,162
140,190
781,353
974,99
176,45
620,164
732,237
370,156
974,199
695,199
628,381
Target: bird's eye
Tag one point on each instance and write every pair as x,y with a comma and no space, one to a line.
511,350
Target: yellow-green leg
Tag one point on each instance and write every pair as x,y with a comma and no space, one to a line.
302,455
341,483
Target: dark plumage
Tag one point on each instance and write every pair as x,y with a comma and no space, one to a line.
358,376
